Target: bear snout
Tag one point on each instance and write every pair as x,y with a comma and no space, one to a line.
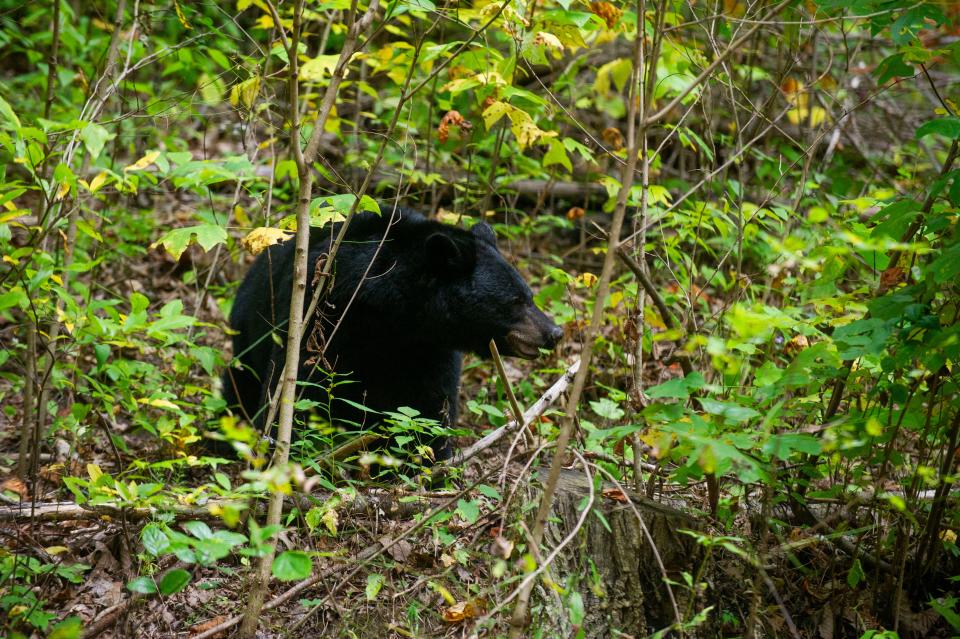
554,335
533,332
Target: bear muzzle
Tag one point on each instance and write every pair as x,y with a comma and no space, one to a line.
533,332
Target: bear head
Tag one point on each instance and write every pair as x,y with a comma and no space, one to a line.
485,297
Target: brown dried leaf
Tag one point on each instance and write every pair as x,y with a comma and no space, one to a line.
613,137
207,625
890,278
609,13
796,344
449,119
463,610
615,494
16,485
400,551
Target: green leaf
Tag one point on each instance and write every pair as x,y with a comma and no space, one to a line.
784,444
8,119
177,240
855,574
557,154
670,389
155,540
489,491
15,297
947,609
142,585
863,337
217,56
374,584
946,267
728,410
469,510
947,127
575,608
318,68
893,67
292,565
174,581
94,137
222,480
198,529
607,408
69,628
677,388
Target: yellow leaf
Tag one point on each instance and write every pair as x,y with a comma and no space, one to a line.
245,92
240,215
708,460
874,427
98,181
494,112
653,320
143,162
318,68
93,470
815,116
330,519
547,39
443,592
449,217
158,403
260,238
63,319
56,550
62,191
525,131
180,16
587,279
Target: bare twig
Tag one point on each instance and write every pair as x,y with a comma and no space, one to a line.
532,413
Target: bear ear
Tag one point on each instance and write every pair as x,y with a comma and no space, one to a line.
484,231
447,255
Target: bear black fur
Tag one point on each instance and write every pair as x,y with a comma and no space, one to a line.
432,292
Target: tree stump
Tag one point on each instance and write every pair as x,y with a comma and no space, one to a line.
615,570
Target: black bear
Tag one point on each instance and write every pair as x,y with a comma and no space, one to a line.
409,296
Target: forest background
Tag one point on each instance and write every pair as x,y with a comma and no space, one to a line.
743,214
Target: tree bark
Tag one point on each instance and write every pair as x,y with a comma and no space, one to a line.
615,571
